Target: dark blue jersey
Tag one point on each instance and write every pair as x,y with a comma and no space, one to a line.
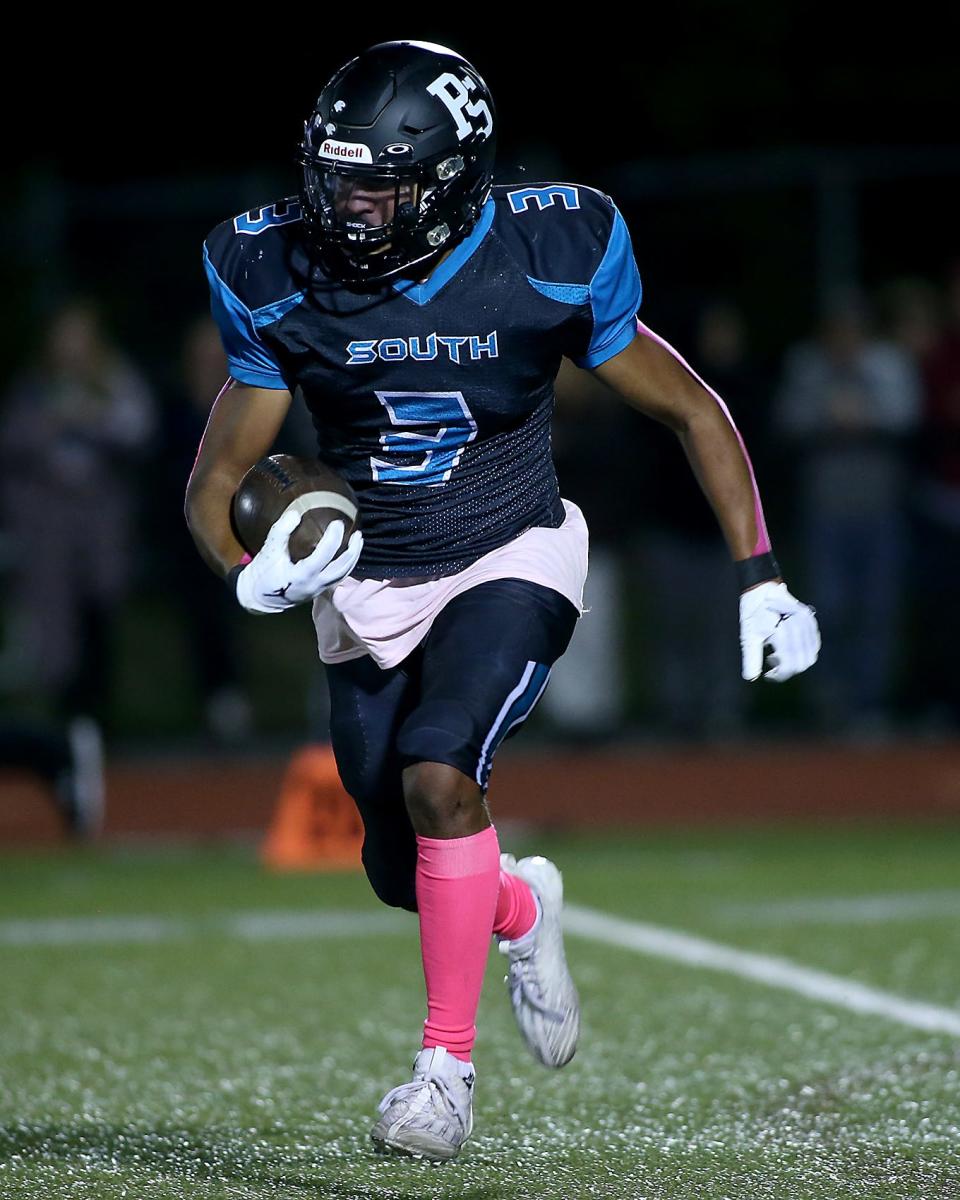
434,399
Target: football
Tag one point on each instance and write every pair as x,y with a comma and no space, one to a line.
275,483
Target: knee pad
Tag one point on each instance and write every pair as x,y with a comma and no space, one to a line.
443,731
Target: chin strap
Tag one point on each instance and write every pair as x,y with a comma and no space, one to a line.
334,260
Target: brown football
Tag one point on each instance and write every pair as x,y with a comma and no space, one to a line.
273,484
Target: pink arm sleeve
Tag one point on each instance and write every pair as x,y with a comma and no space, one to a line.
763,540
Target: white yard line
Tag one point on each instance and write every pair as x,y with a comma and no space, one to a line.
257,926
843,910
694,951
656,940
81,931
264,926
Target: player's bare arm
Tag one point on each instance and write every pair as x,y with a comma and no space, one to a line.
241,429
650,379
778,635
243,425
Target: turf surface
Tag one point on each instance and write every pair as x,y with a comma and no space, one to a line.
162,1038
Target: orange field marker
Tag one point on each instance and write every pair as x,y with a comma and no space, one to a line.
316,826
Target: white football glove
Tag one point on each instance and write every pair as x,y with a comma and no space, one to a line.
271,581
771,617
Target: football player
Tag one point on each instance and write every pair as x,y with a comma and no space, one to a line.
422,315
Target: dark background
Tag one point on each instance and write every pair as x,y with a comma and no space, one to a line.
705,76
708,123
766,154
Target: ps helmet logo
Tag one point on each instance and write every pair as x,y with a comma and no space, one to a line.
455,95
339,106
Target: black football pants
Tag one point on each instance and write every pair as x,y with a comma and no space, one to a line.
470,684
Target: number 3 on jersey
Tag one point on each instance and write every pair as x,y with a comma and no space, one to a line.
436,453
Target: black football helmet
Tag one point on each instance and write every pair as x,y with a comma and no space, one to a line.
397,160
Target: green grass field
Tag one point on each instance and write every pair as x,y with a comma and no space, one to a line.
180,1024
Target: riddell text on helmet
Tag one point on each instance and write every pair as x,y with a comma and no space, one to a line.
353,151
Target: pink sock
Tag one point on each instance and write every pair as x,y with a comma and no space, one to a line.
457,884
516,908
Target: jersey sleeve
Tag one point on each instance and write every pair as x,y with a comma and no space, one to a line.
249,359
615,292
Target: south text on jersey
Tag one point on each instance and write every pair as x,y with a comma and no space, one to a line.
463,348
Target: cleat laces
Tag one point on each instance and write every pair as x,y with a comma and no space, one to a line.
524,985
421,1093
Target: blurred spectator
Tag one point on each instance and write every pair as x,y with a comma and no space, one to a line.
209,614
848,404
696,661
939,509
210,617
70,764
909,311
71,431
586,696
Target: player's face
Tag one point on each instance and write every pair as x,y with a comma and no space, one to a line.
369,200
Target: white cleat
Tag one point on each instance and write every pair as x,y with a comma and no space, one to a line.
543,996
432,1116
